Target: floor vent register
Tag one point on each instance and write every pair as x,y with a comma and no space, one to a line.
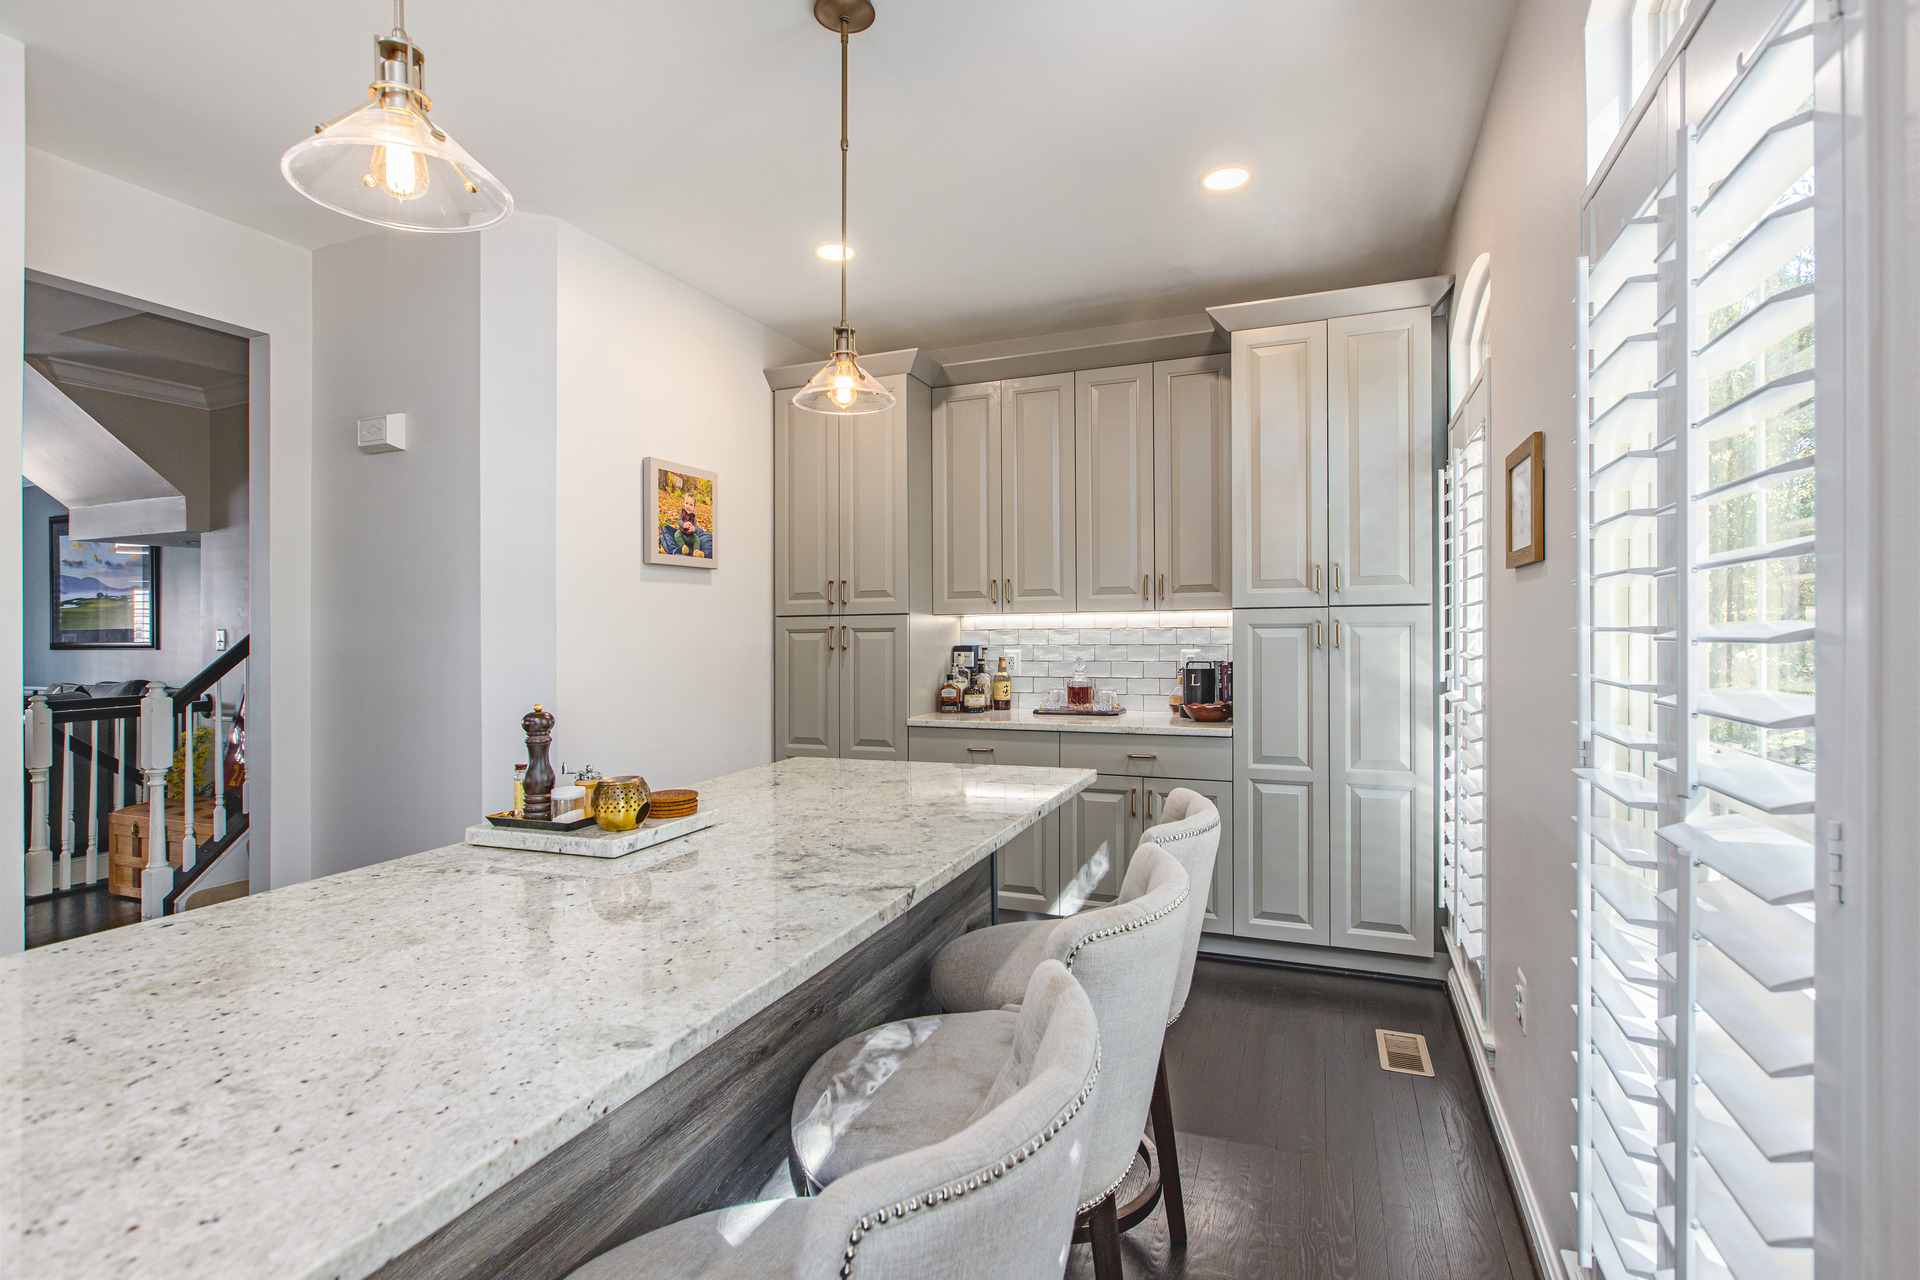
1404,1052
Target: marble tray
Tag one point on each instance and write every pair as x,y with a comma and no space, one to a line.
591,842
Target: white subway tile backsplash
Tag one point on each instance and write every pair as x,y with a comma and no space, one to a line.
1110,653
1129,669
1136,655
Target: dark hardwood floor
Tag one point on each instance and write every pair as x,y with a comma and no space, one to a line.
1303,1159
75,915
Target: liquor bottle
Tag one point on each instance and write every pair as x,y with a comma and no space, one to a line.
976,698
1002,687
950,691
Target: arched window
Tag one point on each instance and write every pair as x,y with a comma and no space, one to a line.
1472,338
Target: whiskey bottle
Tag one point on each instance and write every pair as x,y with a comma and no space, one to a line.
1002,687
975,699
950,690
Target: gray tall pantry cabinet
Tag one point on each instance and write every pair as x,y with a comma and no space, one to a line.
855,647
1334,419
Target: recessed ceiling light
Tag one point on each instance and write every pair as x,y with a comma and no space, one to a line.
1225,179
833,252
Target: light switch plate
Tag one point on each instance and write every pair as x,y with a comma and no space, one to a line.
385,434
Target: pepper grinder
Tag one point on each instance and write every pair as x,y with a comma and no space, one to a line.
539,786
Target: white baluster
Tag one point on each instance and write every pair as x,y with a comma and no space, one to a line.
219,773
188,845
93,800
39,746
62,748
156,757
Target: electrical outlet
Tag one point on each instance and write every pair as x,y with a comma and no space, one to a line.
1520,999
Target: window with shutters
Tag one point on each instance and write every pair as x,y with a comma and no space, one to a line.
1697,572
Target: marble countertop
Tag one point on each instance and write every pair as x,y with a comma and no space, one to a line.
1128,722
308,1082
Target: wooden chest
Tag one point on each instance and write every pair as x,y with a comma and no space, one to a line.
127,842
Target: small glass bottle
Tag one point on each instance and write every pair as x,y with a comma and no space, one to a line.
976,699
519,789
1002,687
1080,687
950,690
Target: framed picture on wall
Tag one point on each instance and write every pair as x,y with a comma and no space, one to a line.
1527,502
105,595
679,503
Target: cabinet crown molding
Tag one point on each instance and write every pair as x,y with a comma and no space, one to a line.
916,362
1335,302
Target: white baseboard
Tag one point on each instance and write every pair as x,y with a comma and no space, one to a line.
1551,1263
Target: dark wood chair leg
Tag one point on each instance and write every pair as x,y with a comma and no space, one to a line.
1162,1116
1103,1226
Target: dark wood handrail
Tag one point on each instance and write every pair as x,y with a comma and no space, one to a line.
216,671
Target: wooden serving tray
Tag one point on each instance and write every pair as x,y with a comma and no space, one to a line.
1078,711
530,824
593,843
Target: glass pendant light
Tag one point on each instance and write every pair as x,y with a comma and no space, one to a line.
387,162
842,386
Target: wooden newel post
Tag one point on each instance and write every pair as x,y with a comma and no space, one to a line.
39,760
156,757
539,785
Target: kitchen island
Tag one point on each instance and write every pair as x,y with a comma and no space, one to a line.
476,1061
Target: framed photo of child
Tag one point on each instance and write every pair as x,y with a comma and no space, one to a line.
679,501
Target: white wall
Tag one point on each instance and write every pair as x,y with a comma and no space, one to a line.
663,671
396,587
13,145
1521,204
100,232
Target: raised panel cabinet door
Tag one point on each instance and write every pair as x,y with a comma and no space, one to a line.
806,687
1098,830
1381,717
1380,458
873,688
1192,485
1036,495
1030,868
1280,888
1219,917
873,506
806,505
1279,397
966,499
1114,486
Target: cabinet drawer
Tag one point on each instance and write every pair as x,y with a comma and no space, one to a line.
984,746
1148,755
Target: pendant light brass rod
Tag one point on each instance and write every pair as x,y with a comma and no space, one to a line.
845,31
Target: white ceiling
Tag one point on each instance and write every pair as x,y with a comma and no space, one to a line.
1017,169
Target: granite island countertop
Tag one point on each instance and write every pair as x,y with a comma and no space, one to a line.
308,1082
1127,722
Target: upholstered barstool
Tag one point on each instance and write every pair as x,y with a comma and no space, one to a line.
984,969
994,1199
907,1083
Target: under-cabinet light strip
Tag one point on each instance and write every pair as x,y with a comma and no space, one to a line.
1094,621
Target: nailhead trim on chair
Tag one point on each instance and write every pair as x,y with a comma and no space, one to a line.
1182,835
1116,930
972,1182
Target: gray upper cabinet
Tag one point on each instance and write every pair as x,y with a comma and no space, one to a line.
1280,741
1380,458
1192,468
840,508
966,499
806,504
806,687
873,688
1114,489
1280,465
1036,494
873,507
1381,717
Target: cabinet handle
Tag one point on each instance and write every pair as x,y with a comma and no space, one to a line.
1133,803
1150,804
1316,579
1163,586
1144,593
829,639
1336,633
1006,594
1336,582
988,750
843,639
1319,636
829,593
993,590
843,593
1133,755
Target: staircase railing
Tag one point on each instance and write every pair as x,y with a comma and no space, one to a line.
144,734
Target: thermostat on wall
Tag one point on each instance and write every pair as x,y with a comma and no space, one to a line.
385,434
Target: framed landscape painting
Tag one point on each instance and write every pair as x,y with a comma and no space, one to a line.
679,504
105,595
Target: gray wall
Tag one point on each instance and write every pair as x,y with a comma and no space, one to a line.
396,559
1521,203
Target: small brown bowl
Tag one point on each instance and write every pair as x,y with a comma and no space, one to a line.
1209,712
